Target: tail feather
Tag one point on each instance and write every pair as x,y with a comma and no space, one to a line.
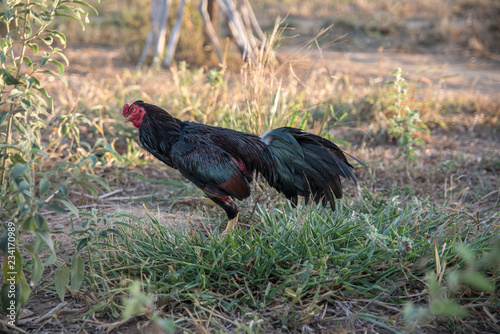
303,164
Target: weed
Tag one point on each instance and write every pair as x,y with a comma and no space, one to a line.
405,122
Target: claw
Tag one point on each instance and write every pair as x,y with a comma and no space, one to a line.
230,225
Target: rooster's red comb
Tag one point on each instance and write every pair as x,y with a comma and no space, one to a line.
126,111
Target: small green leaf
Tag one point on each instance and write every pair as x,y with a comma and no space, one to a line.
71,207
59,35
45,59
16,157
24,289
96,180
87,185
29,224
83,3
28,62
63,56
55,207
41,222
18,170
38,269
4,241
77,272
6,297
82,243
61,280
63,190
3,117
47,238
3,43
44,186
34,47
8,78
72,17
58,64
48,40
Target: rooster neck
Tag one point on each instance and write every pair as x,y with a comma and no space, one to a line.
158,132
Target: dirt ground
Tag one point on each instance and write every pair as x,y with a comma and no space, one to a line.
456,75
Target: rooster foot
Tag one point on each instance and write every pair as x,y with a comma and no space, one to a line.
230,225
192,201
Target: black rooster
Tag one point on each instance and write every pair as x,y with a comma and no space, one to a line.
221,162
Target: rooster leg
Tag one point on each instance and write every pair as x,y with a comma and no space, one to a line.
230,225
229,205
192,201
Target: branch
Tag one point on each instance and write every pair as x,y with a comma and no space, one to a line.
237,27
253,20
160,41
174,37
156,15
209,28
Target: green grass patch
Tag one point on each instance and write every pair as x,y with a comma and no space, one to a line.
294,263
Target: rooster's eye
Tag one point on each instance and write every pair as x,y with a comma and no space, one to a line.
133,109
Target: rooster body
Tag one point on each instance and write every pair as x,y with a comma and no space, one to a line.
222,162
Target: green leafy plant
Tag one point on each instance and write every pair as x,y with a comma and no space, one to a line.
443,285
405,121
30,52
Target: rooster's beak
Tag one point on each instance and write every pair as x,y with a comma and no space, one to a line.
126,113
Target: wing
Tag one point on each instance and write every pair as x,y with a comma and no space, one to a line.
209,167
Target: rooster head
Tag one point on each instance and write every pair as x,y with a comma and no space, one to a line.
134,113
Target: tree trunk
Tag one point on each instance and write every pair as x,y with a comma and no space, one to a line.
240,19
213,10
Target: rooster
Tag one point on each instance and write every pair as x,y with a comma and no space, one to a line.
222,162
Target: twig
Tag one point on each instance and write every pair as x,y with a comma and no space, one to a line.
50,313
84,207
379,303
489,315
131,198
103,196
5,323
488,195
111,193
51,196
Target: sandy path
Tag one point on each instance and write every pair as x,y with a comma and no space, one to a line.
454,75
